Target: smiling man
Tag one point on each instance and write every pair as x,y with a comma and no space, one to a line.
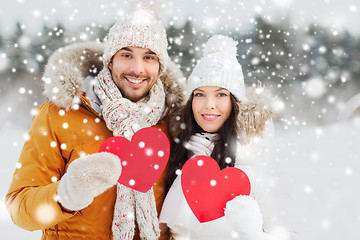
134,71
64,187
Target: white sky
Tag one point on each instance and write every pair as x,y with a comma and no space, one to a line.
208,13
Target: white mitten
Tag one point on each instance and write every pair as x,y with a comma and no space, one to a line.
86,178
244,216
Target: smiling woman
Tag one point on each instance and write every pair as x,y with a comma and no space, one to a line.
217,121
211,107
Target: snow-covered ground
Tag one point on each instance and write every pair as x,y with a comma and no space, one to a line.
314,174
315,171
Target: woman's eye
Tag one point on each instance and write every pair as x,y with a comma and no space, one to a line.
126,55
198,95
222,94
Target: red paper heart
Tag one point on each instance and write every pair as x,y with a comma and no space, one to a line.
207,188
143,159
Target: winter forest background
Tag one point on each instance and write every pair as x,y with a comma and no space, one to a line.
307,53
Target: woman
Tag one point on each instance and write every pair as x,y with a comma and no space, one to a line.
222,120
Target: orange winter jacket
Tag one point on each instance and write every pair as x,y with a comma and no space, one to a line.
57,138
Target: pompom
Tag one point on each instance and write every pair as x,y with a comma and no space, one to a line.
220,43
147,8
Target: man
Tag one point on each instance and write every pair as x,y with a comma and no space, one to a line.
62,185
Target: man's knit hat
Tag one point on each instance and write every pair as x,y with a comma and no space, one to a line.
218,67
140,28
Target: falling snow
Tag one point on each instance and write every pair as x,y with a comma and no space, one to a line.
45,214
315,87
131,182
309,59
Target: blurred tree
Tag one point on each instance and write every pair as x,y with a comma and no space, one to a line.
332,54
268,52
2,42
17,48
47,41
98,33
356,63
275,53
185,45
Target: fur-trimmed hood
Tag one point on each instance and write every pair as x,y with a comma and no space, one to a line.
63,79
254,114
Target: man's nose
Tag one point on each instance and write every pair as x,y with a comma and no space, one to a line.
137,66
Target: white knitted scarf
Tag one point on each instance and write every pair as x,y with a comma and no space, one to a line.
124,117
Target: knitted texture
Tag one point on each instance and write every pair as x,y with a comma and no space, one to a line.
218,67
123,226
130,205
146,217
124,117
138,29
86,178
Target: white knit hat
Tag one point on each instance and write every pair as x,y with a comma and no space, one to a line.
218,67
140,28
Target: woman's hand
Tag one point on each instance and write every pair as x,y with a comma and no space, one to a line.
243,214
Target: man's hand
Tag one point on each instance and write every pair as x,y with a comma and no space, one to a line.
86,178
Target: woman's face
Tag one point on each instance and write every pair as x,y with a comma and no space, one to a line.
211,107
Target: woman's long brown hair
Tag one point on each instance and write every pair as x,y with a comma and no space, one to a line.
224,143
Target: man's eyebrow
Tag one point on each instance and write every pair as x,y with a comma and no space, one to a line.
126,49
150,52
130,50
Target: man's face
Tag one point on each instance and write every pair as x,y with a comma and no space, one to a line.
134,71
